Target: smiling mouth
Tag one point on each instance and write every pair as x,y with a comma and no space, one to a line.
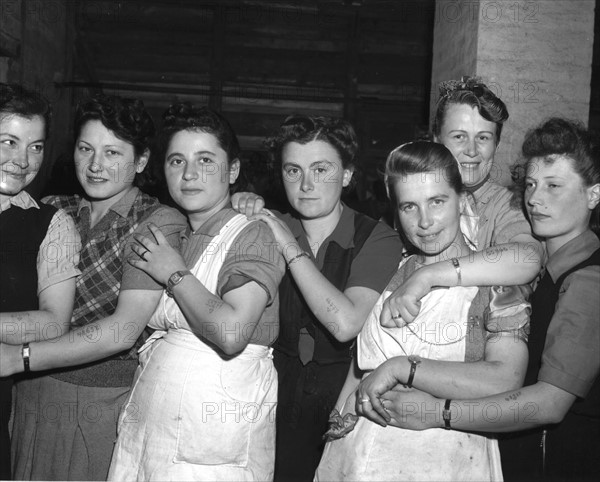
428,237
469,165
95,180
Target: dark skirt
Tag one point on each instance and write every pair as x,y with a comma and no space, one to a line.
307,395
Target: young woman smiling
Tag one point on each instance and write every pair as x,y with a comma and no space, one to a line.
74,438
39,245
557,411
468,121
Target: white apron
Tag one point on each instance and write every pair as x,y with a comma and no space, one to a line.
195,414
372,452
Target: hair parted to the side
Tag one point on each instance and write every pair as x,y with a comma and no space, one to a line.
422,157
559,136
473,92
338,133
18,100
127,119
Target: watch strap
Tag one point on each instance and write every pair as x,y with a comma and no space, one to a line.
447,414
25,354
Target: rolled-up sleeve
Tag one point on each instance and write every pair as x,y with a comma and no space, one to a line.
58,255
253,257
571,358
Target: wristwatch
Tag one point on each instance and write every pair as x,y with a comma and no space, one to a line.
414,361
447,414
175,279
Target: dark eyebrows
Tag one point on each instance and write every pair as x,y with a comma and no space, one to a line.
17,138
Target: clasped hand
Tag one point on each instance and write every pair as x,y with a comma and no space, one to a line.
156,257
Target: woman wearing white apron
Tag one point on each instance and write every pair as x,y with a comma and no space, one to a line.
464,340
202,406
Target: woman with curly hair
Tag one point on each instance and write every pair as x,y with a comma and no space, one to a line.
202,405
65,421
339,261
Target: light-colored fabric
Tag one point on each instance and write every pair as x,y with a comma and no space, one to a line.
372,452
499,220
58,256
198,414
22,200
63,431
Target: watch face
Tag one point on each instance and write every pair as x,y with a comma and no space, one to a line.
176,277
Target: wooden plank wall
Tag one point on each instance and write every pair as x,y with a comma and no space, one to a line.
259,61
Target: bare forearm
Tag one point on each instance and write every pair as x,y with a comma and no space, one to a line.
512,411
29,326
446,379
504,264
336,312
213,319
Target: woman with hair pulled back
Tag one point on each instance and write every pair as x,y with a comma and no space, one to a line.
463,341
202,405
468,121
39,244
112,307
557,412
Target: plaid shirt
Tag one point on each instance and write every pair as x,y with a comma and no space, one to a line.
101,265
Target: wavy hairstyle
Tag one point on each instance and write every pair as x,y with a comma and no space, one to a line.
559,136
127,119
185,116
18,100
338,133
473,92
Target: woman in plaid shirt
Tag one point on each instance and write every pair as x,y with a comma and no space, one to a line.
65,422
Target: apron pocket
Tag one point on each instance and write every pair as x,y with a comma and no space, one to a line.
212,427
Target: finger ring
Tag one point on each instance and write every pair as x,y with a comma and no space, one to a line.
396,317
365,400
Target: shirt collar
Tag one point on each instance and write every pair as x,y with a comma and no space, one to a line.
213,226
22,200
572,253
121,207
343,234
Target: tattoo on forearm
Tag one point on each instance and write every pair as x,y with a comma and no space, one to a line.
213,305
495,250
331,306
513,396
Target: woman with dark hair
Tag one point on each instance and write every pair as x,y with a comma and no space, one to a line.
338,263
465,340
39,245
65,422
557,412
468,121
202,405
